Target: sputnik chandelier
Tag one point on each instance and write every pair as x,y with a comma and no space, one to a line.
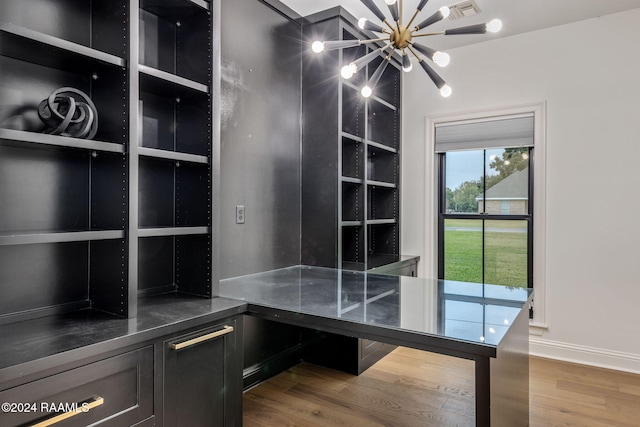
400,39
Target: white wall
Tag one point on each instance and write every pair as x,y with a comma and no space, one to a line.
588,73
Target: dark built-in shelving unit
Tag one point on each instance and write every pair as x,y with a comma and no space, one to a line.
350,172
351,153
95,224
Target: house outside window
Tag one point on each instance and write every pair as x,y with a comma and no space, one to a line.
509,196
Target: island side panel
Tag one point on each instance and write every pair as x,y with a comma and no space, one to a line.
510,375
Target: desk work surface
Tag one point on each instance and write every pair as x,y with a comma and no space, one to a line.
475,314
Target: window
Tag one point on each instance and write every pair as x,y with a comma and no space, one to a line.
485,222
505,207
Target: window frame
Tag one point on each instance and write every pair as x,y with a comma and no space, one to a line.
443,215
428,268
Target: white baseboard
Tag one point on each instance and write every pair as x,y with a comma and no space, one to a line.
584,355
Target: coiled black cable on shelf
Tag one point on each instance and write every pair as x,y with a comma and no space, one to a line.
69,112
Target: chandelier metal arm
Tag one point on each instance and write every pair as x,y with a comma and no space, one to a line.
367,90
360,62
413,18
381,39
437,33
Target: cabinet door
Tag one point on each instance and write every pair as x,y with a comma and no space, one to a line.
117,391
203,378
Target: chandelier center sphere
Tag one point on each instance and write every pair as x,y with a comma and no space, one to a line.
401,37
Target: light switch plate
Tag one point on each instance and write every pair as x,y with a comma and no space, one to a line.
239,214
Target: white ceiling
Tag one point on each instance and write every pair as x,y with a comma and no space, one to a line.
518,16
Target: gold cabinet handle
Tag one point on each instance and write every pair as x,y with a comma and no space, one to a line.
202,338
82,408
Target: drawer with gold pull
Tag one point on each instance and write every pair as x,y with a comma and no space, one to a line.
117,391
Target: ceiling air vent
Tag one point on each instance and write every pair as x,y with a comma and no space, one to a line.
464,9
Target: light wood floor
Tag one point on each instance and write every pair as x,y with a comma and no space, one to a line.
416,388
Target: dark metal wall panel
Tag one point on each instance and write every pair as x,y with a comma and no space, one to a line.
192,187
193,265
58,195
260,162
109,92
156,193
108,15
43,275
109,183
51,17
320,150
157,42
157,113
108,276
155,264
260,138
192,126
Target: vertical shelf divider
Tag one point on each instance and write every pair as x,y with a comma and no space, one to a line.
214,154
134,136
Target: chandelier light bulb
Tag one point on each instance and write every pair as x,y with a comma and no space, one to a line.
362,22
390,2
317,46
406,64
445,11
348,71
366,91
445,91
494,25
441,59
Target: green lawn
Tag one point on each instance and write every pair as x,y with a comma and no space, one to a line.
505,253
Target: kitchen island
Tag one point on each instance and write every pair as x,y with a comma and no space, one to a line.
484,323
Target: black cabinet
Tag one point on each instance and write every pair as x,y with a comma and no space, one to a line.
63,215
166,374
91,224
174,146
351,153
203,377
117,391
